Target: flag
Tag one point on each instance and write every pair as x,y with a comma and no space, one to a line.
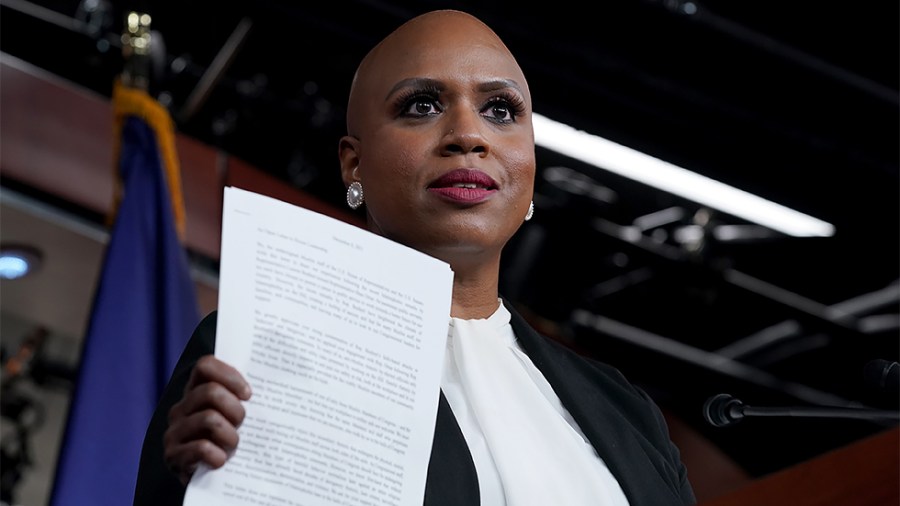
143,313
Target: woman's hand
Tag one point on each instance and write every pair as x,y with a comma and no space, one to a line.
203,424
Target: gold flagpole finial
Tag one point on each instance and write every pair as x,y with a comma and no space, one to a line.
131,98
136,40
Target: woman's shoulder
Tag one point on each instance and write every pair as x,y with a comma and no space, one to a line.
206,329
541,347
566,367
202,342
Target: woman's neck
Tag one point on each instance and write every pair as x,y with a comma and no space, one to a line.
475,292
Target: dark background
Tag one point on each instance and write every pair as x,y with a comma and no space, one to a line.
796,102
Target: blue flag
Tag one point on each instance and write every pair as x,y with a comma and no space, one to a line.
144,311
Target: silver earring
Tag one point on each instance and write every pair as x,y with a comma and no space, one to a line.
355,195
530,212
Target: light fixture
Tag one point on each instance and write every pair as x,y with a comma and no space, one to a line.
17,261
652,171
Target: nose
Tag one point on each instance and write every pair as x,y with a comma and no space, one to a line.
464,134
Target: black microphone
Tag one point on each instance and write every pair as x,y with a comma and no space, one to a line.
883,375
723,409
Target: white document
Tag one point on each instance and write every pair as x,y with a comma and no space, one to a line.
341,334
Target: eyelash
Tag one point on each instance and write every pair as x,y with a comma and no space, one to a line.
410,97
512,102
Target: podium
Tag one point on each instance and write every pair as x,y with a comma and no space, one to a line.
865,473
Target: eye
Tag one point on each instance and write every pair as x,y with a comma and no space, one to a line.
500,111
419,104
503,109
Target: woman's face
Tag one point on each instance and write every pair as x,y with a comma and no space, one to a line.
442,141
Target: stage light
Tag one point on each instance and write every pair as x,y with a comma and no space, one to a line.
18,261
666,176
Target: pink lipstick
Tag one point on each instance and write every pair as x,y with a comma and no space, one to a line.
464,186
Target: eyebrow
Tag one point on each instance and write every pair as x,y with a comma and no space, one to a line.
426,82
499,84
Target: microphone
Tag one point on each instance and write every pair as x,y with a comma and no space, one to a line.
724,409
883,375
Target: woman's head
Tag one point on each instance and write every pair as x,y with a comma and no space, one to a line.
440,136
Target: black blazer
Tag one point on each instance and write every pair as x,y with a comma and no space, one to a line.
622,423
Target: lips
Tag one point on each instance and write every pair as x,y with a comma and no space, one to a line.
464,186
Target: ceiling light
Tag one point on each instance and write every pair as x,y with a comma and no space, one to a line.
646,169
18,261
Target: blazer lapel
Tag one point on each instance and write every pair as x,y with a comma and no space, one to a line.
599,401
452,480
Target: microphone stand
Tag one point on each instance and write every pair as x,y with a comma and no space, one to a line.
723,409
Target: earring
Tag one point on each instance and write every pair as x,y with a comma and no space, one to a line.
530,212
355,195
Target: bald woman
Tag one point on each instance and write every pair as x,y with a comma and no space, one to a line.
440,152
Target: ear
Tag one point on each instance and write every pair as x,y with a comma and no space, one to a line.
348,154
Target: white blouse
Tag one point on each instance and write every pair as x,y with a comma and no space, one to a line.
526,446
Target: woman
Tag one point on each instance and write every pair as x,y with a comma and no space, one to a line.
440,151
